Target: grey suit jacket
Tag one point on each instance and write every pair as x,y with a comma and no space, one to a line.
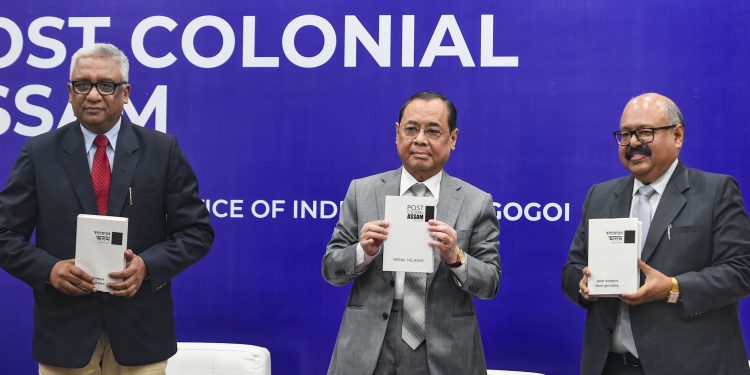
452,334
707,249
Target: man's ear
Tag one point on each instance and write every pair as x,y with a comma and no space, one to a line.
679,135
126,93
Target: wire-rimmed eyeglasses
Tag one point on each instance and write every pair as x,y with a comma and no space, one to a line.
412,131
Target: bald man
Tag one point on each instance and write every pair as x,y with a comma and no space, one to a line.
695,263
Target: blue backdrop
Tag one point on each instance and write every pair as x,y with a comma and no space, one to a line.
278,105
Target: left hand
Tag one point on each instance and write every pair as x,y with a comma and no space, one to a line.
132,276
445,239
656,287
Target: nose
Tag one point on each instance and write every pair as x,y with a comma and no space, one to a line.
421,137
634,141
94,95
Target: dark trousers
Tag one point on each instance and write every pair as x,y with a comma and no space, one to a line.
396,357
622,364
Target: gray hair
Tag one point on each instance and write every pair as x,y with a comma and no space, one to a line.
102,50
674,115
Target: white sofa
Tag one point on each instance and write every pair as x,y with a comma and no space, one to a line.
198,358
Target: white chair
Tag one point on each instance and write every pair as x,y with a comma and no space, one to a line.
199,358
506,372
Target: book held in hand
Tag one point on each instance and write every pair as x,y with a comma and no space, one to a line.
614,248
407,248
101,242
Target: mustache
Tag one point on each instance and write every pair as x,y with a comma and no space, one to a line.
643,149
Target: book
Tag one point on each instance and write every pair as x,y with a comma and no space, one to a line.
101,242
614,247
407,248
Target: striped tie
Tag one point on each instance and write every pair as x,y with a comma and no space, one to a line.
415,285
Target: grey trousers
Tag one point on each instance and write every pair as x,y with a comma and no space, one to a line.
396,357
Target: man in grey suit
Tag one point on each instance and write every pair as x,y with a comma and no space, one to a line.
389,326
695,261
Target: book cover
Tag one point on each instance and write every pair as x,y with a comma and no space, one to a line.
614,249
407,248
101,242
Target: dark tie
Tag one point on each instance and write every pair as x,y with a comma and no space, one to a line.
101,174
415,285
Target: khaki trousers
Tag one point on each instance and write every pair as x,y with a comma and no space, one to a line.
103,363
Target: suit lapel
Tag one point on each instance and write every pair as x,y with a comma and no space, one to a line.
390,185
670,205
126,159
450,200
447,209
623,198
77,167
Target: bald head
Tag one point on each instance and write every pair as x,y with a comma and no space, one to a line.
655,102
649,161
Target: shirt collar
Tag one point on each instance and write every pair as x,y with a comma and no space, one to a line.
89,136
660,183
432,183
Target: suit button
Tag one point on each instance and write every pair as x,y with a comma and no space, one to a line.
385,316
609,330
393,283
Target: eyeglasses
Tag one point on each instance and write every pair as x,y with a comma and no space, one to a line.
412,131
645,135
104,88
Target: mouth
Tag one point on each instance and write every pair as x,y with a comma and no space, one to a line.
93,109
637,154
637,157
420,155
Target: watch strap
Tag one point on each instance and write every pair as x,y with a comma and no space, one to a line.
461,259
674,293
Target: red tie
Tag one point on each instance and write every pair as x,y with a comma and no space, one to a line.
101,173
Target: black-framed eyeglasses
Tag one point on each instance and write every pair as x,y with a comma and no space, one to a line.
104,88
412,131
644,135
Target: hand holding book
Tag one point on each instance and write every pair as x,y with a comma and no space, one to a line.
132,276
71,280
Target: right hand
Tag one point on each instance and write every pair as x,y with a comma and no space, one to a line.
583,285
71,280
372,236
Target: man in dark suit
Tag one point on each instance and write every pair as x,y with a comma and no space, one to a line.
695,262
378,334
102,164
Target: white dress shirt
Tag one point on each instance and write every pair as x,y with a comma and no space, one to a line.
90,147
626,342
433,185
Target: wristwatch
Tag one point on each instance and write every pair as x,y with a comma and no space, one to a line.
461,259
674,294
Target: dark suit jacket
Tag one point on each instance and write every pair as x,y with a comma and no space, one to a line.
708,253
454,345
50,184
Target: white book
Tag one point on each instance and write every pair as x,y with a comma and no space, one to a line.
407,248
101,242
614,248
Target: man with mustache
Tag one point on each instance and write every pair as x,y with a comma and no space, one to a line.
695,263
102,164
409,322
